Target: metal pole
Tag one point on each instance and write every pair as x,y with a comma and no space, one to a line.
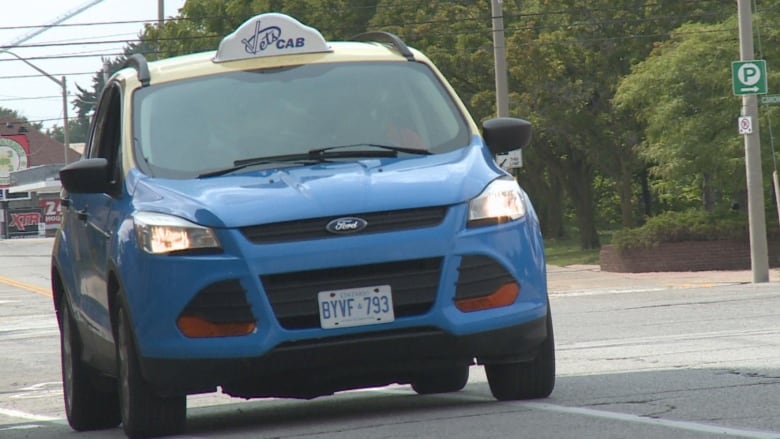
499,55
106,68
759,253
160,13
65,127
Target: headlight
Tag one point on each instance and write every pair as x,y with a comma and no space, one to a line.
159,233
500,202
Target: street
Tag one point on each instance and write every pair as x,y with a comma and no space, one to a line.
656,362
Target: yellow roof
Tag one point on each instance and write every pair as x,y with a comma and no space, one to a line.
202,64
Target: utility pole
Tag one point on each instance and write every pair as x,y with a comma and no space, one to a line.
499,56
759,254
65,121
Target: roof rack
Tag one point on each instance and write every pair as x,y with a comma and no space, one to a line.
386,37
139,62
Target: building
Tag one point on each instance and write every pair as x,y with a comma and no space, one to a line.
29,180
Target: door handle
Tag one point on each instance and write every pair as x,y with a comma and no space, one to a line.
82,214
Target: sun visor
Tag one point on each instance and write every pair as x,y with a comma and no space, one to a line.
270,34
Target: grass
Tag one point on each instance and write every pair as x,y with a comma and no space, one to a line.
567,251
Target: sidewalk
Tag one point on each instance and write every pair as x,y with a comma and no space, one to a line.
576,278
23,259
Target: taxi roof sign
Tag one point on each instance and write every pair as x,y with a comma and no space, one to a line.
270,34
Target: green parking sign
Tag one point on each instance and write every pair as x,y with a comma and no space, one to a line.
749,77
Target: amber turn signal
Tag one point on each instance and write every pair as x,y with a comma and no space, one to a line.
503,296
197,327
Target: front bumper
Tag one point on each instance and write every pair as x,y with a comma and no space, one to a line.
312,368
277,283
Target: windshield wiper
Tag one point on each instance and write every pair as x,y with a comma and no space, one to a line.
319,152
319,155
245,163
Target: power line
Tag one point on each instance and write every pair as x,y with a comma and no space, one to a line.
103,42
38,75
87,24
30,98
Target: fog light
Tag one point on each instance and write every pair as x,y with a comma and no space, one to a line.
197,327
503,296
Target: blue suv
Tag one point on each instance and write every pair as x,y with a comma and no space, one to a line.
292,217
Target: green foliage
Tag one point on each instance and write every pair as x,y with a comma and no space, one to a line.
18,116
690,225
77,131
454,36
9,112
680,96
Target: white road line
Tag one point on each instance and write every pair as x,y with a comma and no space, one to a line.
680,425
604,291
625,417
24,415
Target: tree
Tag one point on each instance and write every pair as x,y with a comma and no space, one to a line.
457,36
18,116
12,113
566,59
680,96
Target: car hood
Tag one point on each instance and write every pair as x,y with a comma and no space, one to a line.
327,189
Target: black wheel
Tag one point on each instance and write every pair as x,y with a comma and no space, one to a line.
144,412
86,406
447,380
531,380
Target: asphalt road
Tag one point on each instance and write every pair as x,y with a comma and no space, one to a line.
638,357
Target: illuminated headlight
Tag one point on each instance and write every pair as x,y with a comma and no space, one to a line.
500,202
159,233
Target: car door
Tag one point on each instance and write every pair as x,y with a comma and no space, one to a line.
96,219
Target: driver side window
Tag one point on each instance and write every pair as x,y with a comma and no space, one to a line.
105,139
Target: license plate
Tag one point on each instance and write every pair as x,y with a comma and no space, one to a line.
355,307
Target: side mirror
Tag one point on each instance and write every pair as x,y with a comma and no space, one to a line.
88,176
504,134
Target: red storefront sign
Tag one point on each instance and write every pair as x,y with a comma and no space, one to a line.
51,211
23,222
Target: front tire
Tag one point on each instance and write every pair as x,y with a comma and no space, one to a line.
86,406
144,412
531,380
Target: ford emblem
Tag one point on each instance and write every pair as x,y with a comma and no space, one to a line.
349,224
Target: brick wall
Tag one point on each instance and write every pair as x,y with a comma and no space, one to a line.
685,256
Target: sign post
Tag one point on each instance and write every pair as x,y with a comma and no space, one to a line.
749,79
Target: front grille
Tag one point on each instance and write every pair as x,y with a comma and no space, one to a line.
315,228
293,296
480,276
221,302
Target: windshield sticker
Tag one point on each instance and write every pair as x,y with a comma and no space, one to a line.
270,34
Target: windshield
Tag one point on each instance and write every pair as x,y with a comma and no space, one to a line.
191,127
